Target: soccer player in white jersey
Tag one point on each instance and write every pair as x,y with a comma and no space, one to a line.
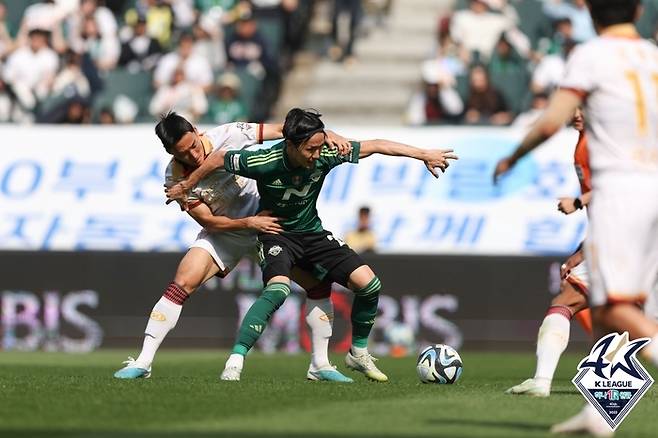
225,206
615,78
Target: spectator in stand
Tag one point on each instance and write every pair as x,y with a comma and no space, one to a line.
551,68
247,48
505,58
30,72
438,102
209,43
226,106
46,15
6,43
5,101
106,116
528,118
183,96
197,69
477,29
105,21
344,37
577,12
139,51
363,239
159,19
104,50
485,104
70,81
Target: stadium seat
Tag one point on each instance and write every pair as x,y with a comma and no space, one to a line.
513,84
251,89
136,86
532,20
15,9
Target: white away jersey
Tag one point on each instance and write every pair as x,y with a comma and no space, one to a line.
226,194
618,78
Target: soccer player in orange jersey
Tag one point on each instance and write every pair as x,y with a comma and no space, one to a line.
615,78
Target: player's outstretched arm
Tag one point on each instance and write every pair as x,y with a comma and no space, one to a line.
179,190
263,222
432,158
560,110
272,131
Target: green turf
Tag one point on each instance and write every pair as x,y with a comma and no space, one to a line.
56,395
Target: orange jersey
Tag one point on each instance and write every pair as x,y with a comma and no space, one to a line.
581,163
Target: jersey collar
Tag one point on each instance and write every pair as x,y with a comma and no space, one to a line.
624,30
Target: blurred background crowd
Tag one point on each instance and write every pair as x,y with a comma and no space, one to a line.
491,62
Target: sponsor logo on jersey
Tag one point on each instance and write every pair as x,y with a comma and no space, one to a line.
315,176
256,327
611,378
327,316
277,183
274,251
157,316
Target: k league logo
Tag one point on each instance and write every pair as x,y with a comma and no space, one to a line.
611,378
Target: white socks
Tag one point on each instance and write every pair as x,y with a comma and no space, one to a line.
235,360
552,340
163,318
319,317
358,351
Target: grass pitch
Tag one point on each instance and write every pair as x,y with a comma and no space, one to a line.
57,395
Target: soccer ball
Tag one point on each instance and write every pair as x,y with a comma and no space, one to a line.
439,364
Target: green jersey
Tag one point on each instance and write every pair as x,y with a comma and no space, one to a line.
289,193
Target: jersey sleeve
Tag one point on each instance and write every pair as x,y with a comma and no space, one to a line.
237,135
253,164
333,158
580,73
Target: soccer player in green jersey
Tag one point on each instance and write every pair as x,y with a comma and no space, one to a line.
289,176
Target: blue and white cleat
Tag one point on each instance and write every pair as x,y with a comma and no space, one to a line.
132,371
327,374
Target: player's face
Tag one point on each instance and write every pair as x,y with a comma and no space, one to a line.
189,149
310,151
578,121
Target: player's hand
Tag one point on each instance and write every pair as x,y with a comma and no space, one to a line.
340,143
438,158
573,261
503,166
263,222
177,192
566,205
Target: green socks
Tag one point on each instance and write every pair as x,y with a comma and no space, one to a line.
259,314
364,311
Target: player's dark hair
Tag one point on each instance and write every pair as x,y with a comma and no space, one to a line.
300,125
608,12
171,128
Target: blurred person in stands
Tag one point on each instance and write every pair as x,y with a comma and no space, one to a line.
577,12
103,49
71,81
159,19
647,25
505,59
477,29
5,101
139,51
104,18
209,43
551,68
343,37
247,47
438,101
74,111
46,15
197,69
362,239
183,96
485,104
29,72
6,42
106,116
226,106
528,118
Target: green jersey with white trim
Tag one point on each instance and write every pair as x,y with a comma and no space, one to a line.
289,193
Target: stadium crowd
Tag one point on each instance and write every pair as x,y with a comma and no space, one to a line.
82,61
496,61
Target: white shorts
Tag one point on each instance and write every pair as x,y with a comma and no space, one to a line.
579,276
622,244
227,249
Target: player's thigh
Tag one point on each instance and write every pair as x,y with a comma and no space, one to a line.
361,277
621,249
277,254
315,288
331,258
196,267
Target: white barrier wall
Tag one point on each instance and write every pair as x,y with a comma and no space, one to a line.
78,188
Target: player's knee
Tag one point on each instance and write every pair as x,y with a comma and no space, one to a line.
185,282
320,291
371,289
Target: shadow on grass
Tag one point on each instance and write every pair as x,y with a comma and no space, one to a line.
186,434
537,427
